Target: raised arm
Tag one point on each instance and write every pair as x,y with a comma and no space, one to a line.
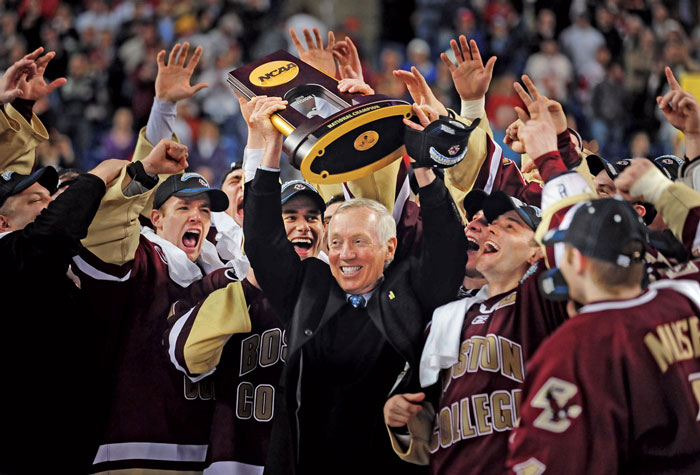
172,85
682,111
20,129
677,203
114,235
277,267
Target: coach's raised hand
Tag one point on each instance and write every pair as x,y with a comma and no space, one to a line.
260,122
173,79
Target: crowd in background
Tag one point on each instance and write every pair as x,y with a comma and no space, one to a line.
602,59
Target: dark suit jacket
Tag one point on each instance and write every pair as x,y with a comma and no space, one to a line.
305,294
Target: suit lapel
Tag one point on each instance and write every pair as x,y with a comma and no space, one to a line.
336,299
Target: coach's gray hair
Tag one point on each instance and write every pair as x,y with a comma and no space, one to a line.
386,226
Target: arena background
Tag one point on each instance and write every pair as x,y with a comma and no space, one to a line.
603,60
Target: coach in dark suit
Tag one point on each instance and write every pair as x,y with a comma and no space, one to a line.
353,325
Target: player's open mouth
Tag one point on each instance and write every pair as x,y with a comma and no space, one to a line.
350,270
239,208
472,245
490,247
302,245
191,238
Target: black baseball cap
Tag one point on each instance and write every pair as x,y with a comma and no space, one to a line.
669,165
296,187
474,202
189,184
12,183
234,166
602,229
442,144
499,202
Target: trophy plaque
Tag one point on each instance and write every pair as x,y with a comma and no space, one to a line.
331,137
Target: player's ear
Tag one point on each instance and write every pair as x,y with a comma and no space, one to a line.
391,249
157,219
640,209
580,261
535,254
4,224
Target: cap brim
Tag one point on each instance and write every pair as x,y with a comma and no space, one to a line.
218,201
499,202
595,164
314,196
496,204
474,202
554,236
46,177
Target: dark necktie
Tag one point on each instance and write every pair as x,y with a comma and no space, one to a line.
357,301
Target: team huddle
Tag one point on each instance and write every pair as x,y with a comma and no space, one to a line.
461,316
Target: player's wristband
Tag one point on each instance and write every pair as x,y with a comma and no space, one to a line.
474,109
138,173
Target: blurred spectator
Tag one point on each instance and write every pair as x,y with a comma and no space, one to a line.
545,29
418,55
121,139
465,23
550,70
580,42
661,23
389,60
610,113
640,145
605,23
212,154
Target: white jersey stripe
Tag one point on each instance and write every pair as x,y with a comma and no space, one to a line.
404,194
96,273
233,468
151,451
496,157
172,343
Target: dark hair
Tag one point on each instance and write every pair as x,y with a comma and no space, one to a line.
335,199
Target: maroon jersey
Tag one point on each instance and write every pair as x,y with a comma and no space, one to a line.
481,393
616,389
157,418
246,382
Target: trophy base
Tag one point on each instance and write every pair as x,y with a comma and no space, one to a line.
351,144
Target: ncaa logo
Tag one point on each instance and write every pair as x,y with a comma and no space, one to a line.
453,150
274,73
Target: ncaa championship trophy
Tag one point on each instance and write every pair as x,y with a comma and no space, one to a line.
331,137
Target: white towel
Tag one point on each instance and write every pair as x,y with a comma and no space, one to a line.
441,349
180,268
